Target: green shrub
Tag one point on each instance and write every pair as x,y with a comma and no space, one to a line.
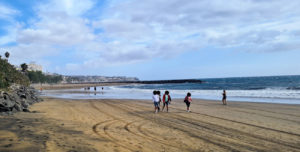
9,75
39,77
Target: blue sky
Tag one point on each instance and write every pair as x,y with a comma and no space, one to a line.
154,39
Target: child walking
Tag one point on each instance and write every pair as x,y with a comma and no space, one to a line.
155,99
159,97
188,100
166,100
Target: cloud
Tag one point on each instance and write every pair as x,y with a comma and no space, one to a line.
132,31
70,7
58,29
7,13
234,23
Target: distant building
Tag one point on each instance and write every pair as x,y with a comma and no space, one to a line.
34,67
84,79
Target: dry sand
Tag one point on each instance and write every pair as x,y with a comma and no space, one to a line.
130,125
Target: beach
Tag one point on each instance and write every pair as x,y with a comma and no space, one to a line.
131,125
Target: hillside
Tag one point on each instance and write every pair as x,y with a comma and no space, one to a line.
9,75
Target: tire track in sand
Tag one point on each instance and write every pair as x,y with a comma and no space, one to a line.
151,138
126,127
105,129
225,132
208,139
239,122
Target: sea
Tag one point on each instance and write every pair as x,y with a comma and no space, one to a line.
270,89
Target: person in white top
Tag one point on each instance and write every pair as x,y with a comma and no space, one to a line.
155,99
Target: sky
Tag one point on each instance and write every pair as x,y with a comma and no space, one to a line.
154,39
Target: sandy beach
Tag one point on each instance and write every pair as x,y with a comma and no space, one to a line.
130,125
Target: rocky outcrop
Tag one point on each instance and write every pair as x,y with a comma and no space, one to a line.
18,99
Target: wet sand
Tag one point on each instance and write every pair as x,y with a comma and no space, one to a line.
130,125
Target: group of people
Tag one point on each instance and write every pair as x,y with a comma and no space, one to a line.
95,88
156,98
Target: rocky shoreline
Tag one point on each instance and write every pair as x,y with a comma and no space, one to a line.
19,98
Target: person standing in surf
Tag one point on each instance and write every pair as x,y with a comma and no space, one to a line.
155,99
224,97
188,100
166,100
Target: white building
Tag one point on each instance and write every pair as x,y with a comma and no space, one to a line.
34,67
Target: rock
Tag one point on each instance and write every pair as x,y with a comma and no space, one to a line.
24,104
7,102
18,107
18,99
26,110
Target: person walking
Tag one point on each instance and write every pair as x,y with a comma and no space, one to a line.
155,99
188,100
166,100
159,97
224,97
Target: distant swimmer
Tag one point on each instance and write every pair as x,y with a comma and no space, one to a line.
102,88
224,97
188,100
166,100
95,88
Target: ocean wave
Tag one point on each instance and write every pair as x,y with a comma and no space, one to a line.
256,88
293,88
117,92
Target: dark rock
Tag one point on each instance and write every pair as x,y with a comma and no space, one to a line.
24,104
18,107
26,110
18,99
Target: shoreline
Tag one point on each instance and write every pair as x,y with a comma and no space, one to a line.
131,125
111,94
112,91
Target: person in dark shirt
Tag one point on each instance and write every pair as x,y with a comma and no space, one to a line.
188,100
224,97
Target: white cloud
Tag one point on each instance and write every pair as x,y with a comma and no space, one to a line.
70,7
58,29
134,31
234,23
7,13
10,36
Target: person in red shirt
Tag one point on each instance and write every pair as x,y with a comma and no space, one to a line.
166,100
188,100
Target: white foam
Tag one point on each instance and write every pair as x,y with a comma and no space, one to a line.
116,92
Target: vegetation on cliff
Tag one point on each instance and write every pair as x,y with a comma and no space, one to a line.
39,77
9,75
